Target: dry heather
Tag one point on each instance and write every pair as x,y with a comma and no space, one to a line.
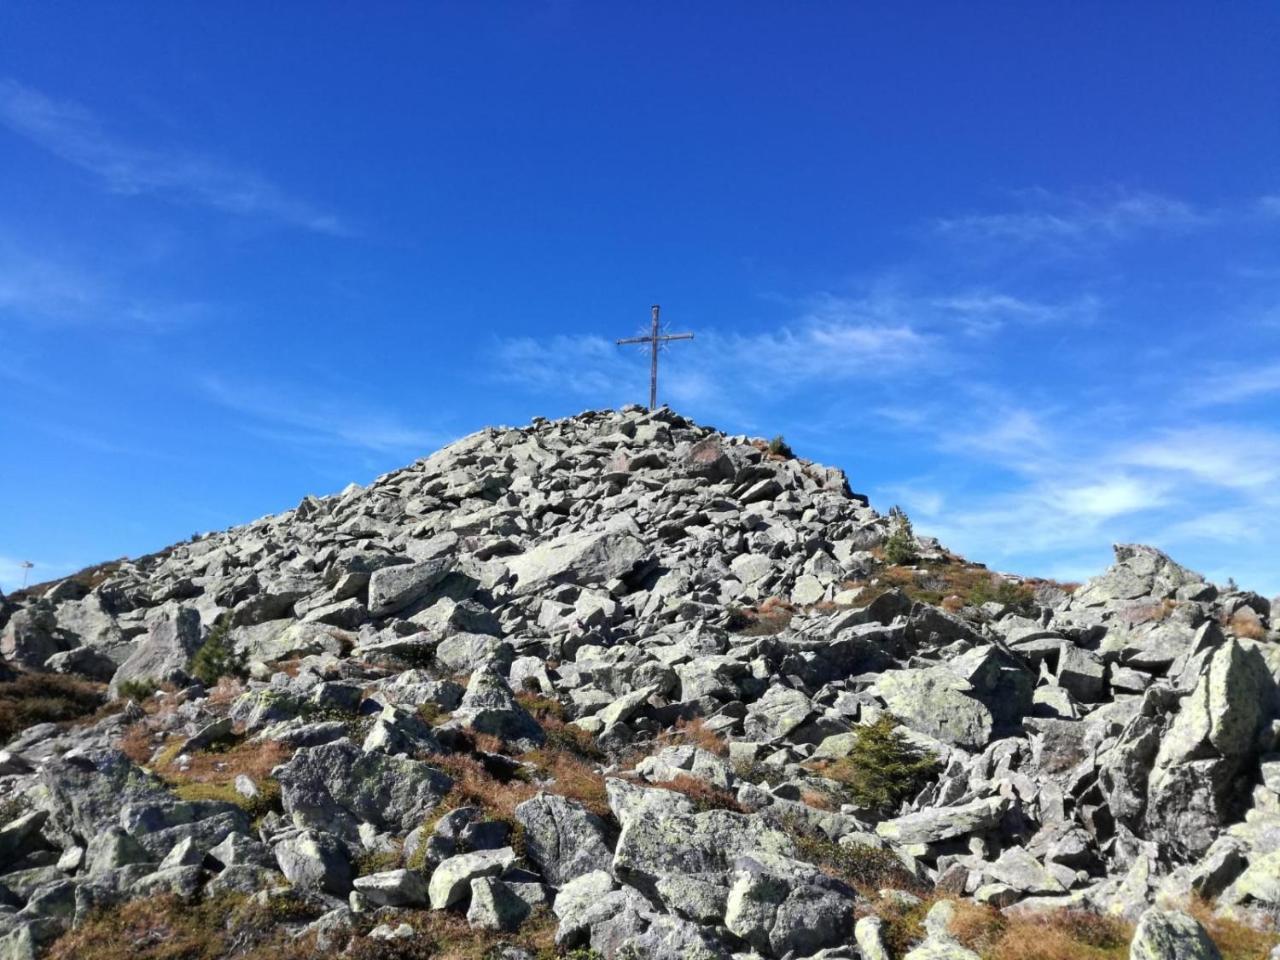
32,698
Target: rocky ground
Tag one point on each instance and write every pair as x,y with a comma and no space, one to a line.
622,686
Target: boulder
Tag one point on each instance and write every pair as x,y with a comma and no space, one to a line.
562,838
783,906
392,589
495,906
336,787
393,888
311,858
489,706
933,700
451,880
165,654
583,557
1171,935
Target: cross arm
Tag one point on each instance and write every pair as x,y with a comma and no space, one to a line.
675,336
636,340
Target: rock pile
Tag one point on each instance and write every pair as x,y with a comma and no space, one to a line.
656,645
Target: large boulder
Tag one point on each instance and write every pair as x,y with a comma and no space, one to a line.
934,700
392,589
489,706
1171,935
1199,780
1139,571
31,637
337,787
562,838
451,880
165,654
783,906
583,557
312,858
686,861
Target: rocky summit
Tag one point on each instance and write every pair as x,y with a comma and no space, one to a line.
620,685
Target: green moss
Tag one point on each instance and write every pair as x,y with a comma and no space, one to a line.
267,800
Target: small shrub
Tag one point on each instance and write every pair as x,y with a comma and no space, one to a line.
900,546
771,617
866,869
377,861
216,657
883,769
137,690
542,707
997,589
778,447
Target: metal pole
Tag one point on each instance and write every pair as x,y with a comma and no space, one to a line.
653,365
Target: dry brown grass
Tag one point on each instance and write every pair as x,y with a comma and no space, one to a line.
1235,940
1055,935
211,774
445,935
225,691
769,617
33,698
232,927
695,733
705,796
951,583
1246,624
1156,611
169,928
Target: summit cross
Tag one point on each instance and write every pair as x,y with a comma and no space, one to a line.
655,339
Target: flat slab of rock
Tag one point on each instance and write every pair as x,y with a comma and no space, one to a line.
943,823
451,880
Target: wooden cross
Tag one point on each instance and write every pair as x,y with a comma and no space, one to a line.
655,340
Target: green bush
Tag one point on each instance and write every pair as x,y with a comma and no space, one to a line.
138,690
780,448
883,769
900,546
216,657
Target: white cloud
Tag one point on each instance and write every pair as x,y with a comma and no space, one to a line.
1219,455
75,135
315,418
1245,382
1059,220
40,289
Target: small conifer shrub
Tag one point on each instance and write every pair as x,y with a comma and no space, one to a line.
217,657
883,769
900,546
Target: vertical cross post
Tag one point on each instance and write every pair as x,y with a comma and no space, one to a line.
653,362
656,340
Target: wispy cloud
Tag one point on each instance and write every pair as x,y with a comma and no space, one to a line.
319,418
1046,217
1243,382
71,132
43,290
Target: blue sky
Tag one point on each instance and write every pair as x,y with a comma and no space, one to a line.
1015,266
